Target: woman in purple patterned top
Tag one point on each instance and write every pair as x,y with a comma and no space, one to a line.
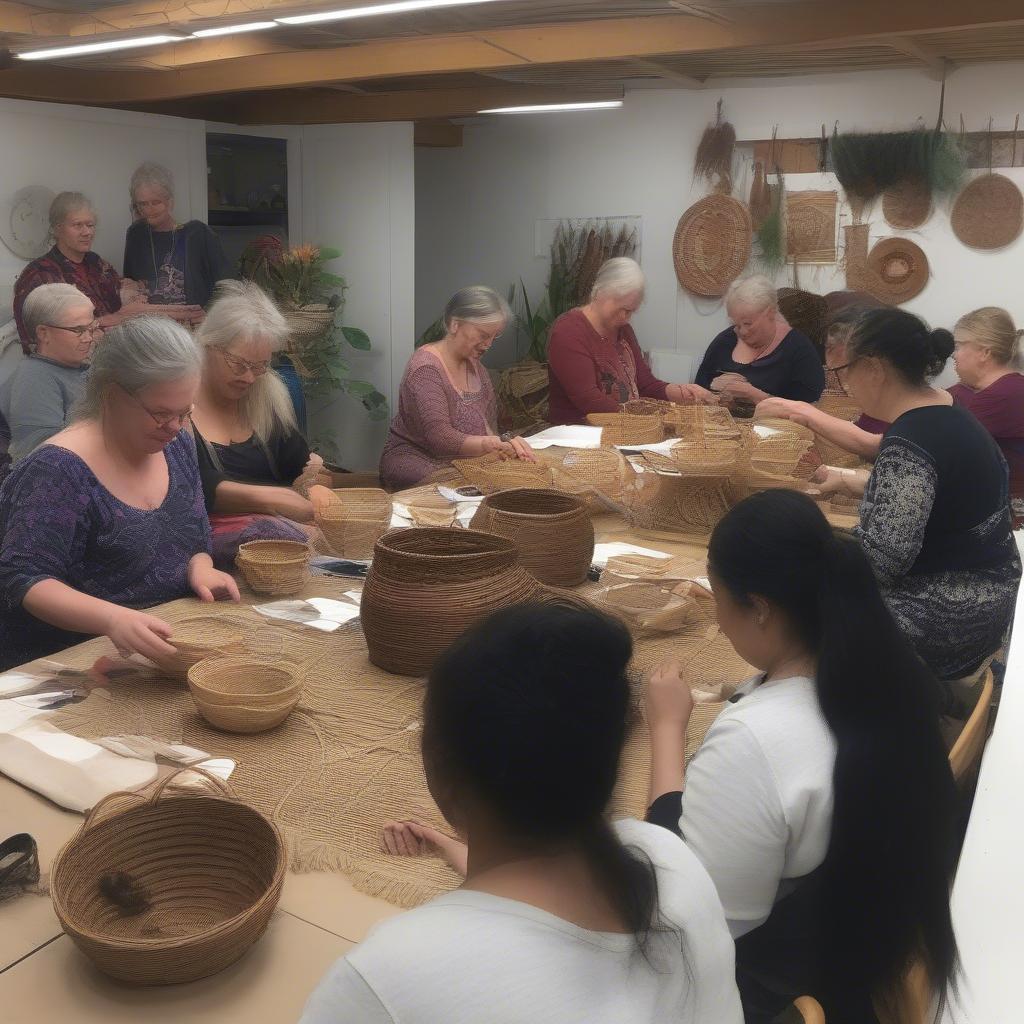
446,405
108,517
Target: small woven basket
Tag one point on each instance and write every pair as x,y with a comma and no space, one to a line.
307,324
274,566
171,887
626,428
244,695
202,636
552,531
355,520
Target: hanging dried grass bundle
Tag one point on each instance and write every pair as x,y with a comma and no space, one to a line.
713,162
771,236
760,202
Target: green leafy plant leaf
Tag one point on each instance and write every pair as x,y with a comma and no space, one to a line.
357,338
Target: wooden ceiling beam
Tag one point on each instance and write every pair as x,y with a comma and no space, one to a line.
669,74
906,45
437,134
609,39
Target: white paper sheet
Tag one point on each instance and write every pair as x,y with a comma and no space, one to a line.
458,499
567,436
762,431
602,552
318,612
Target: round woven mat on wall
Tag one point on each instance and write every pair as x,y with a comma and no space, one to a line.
898,270
712,245
908,204
988,213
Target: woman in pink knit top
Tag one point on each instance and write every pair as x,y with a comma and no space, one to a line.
446,404
594,361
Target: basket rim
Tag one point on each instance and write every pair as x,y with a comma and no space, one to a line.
574,504
241,663
272,893
495,545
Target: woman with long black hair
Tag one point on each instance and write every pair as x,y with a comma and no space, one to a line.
821,801
562,917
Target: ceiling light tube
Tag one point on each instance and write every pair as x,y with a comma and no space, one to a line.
230,30
396,7
550,108
81,49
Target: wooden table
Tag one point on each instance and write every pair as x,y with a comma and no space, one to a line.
44,979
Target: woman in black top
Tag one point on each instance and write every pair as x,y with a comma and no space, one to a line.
935,519
177,263
252,457
760,355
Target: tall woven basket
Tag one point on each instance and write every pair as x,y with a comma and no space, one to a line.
355,520
552,531
170,887
426,585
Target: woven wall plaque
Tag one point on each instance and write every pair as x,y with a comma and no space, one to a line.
811,226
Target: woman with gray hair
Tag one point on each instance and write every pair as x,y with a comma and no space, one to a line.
446,404
594,360
107,517
179,264
37,398
760,355
251,454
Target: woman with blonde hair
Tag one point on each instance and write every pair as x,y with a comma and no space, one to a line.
594,359
251,453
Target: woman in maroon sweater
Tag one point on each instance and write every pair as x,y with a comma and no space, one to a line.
594,361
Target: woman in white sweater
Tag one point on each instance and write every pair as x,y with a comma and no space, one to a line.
821,801
562,917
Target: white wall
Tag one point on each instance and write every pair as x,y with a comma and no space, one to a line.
86,149
476,207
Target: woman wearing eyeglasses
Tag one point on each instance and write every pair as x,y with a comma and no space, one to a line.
107,517
36,400
251,453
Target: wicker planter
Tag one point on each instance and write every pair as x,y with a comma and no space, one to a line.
243,695
168,888
274,566
552,530
426,586
199,637
356,519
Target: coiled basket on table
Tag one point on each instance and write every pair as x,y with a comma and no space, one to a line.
426,585
169,887
552,530
355,520
274,566
245,695
202,636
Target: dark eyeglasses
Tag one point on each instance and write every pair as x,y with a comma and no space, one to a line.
161,419
236,364
93,328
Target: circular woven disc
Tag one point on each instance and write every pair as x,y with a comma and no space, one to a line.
898,270
908,204
712,245
988,213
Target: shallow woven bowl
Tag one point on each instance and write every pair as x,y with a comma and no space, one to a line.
211,868
243,695
552,530
198,637
426,585
274,566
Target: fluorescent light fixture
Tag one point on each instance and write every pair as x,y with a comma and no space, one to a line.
397,7
103,47
230,30
545,108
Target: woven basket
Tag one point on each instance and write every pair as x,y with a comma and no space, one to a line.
308,324
426,586
595,474
209,870
244,695
899,269
523,393
274,566
355,520
843,407
493,472
806,312
649,608
552,531
199,637
707,457
712,245
625,428
908,204
988,213
687,505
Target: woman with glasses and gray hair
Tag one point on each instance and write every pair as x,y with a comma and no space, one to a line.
594,360
178,264
251,453
446,404
107,517
36,400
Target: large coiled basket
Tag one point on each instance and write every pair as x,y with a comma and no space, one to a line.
170,887
426,585
552,530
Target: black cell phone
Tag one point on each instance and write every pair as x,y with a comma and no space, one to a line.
344,567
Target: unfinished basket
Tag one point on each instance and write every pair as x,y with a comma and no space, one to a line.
625,428
843,407
354,521
274,566
649,608
168,888
682,504
595,474
202,636
426,586
708,457
493,472
244,695
552,530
